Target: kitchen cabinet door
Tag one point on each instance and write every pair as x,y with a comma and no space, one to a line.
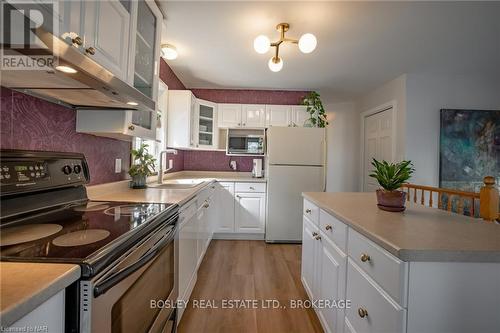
253,115
181,124
299,115
309,232
229,115
225,204
331,283
278,115
107,32
187,256
206,128
250,212
200,234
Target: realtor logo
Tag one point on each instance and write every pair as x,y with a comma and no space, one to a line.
21,47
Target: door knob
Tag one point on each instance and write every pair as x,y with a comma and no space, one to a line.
365,257
362,312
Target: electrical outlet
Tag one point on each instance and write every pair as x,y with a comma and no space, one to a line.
118,165
170,164
232,164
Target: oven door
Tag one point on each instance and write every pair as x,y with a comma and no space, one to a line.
138,293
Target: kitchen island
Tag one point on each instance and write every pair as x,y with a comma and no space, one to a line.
422,270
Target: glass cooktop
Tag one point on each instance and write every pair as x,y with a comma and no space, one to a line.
75,232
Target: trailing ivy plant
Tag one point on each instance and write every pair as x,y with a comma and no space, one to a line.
315,108
392,176
143,163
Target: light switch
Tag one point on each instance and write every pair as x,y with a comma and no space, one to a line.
118,165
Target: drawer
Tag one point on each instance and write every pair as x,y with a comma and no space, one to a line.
311,211
383,314
333,229
250,187
387,270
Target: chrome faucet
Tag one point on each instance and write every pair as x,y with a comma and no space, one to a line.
161,171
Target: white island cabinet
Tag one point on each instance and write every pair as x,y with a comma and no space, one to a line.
432,291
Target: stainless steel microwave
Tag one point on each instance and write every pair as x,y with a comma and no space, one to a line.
249,142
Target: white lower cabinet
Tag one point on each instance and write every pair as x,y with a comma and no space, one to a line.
250,212
309,250
242,210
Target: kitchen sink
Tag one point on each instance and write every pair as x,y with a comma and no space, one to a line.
178,184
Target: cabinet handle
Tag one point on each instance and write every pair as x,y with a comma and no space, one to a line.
244,124
239,124
206,205
131,127
317,237
238,196
328,227
362,312
77,40
90,50
365,257
252,188
308,211
314,234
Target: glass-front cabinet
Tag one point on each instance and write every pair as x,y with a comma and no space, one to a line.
145,36
206,124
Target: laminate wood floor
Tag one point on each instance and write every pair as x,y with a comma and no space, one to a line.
248,270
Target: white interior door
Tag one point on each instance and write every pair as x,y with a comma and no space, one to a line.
378,143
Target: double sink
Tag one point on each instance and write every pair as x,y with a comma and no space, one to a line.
178,184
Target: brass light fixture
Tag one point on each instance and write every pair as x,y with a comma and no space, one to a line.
307,43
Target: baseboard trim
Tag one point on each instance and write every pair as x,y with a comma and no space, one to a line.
238,236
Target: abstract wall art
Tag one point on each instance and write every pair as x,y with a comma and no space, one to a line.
469,148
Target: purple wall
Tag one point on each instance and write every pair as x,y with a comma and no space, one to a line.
250,96
168,76
31,123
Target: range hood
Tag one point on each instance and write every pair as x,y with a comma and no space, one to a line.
91,87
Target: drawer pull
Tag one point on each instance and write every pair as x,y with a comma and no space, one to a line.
362,312
317,237
308,211
328,227
314,234
365,257
252,188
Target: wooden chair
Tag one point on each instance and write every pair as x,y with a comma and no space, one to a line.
461,202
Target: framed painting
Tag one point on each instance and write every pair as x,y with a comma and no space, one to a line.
469,148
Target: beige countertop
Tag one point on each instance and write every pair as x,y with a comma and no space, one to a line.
25,286
418,234
120,191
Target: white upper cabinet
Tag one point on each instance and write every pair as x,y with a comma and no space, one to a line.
145,34
229,115
278,115
299,115
107,31
253,115
205,125
181,119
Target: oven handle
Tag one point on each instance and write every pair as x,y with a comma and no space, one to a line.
115,278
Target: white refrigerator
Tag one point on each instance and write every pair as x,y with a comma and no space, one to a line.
295,163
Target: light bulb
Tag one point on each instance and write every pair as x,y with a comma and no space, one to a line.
168,52
261,44
275,64
307,43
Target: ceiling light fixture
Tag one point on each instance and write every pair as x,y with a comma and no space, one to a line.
133,103
66,69
168,51
307,43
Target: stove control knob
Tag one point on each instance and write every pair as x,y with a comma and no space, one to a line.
66,169
77,169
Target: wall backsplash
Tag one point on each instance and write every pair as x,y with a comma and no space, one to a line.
245,96
199,160
34,124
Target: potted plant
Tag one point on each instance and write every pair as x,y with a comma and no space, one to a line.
391,176
143,165
315,108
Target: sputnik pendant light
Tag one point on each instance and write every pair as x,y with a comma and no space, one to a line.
307,43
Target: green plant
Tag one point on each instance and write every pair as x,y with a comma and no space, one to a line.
143,163
315,109
392,175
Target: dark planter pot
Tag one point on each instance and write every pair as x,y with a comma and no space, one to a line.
138,181
391,201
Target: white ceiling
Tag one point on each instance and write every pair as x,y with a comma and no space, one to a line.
360,44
